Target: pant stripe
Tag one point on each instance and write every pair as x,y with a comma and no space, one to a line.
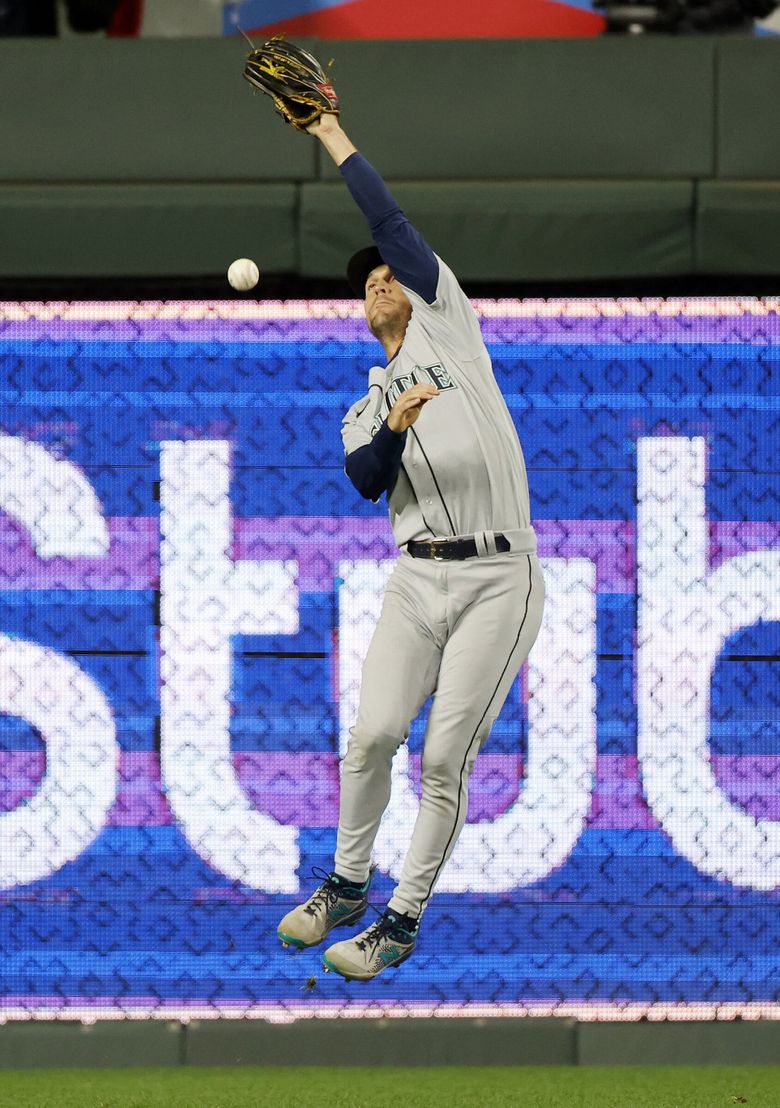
435,877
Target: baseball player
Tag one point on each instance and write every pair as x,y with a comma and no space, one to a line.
464,601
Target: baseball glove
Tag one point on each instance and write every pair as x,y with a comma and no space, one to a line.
293,79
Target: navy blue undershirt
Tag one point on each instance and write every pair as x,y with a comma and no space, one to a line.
373,468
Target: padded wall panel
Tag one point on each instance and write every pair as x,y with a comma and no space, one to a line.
511,109
124,110
373,1042
668,1043
144,230
738,227
519,230
748,93
60,1043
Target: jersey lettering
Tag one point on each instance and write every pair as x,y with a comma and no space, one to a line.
419,375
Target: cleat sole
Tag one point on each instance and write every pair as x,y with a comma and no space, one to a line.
291,941
327,965
288,941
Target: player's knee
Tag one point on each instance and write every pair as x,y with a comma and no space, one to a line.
440,775
444,774
370,746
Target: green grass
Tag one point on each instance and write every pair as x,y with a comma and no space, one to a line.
450,1087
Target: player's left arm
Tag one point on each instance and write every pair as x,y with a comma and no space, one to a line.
409,256
432,286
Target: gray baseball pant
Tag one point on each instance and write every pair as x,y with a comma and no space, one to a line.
460,630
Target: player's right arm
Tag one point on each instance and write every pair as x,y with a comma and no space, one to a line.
372,464
373,467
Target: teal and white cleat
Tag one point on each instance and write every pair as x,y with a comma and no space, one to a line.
388,942
334,904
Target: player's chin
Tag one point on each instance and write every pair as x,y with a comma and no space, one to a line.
378,321
384,316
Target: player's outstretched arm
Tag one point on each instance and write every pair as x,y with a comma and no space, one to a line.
333,137
403,248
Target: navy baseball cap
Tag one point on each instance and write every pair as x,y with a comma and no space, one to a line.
359,267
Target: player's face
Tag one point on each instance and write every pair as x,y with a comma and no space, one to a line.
386,305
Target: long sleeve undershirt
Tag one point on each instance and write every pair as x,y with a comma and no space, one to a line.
373,468
401,245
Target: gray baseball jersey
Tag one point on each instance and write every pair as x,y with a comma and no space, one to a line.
462,468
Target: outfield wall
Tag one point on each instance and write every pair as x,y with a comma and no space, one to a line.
187,591
431,1042
520,160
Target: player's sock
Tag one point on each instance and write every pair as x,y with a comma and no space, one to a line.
348,886
404,921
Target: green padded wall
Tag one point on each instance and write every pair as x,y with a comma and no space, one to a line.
748,97
62,1043
145,231
738,227
673,1043
609,107
152,110
529,160
382,1042
533,230
389,1042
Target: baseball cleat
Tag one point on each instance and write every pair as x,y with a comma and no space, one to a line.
385,943
334,904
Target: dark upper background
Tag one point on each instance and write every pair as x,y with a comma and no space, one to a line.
610,164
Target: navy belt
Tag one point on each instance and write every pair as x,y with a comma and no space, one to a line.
452,550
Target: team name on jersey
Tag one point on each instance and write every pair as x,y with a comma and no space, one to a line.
434,374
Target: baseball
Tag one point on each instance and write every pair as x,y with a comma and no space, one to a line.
243,274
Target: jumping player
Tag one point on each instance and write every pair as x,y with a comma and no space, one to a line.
464,601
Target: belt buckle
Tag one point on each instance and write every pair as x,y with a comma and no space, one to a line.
435,555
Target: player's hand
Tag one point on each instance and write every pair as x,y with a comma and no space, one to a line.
408,406
328,123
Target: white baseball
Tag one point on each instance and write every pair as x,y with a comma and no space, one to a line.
243,274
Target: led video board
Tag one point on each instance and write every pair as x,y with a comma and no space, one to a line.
187,590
